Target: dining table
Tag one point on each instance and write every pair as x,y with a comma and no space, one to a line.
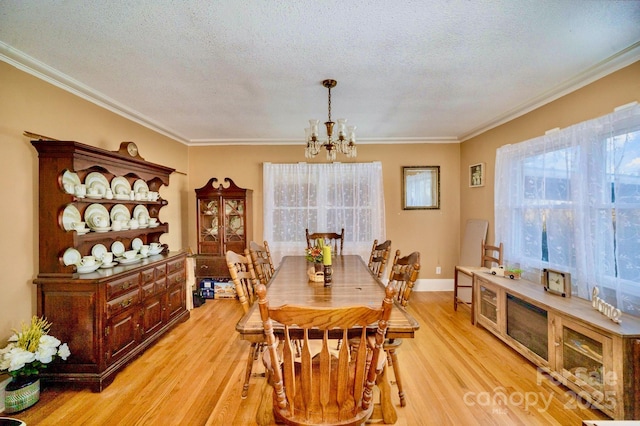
352,284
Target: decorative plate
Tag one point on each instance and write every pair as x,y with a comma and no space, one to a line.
95,211
140,186
119,212
98,251
71,256
136,244
117,248
69,181
141,210
120,187
98,181
70,216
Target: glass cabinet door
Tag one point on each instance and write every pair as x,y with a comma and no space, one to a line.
209,226
234,229
488,304
585,357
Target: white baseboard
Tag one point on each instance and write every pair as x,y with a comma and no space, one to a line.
434,285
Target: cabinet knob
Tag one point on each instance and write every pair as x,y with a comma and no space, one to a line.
126,303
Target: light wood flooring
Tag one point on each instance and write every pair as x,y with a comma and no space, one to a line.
454,374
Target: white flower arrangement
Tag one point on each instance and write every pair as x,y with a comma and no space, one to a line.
31,349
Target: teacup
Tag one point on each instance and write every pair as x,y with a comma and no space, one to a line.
153,221
108,194
92,191
99,222
144,250
133,223
130,254
88,261
79,226
80,190
107,258
116,225
154,246
138,196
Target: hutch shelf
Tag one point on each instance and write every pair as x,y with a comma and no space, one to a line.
111,315
597,359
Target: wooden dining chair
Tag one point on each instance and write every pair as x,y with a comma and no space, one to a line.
262,263
244,278
324,388
403,275
332,239
379,256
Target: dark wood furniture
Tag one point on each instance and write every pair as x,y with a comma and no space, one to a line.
110,316
225,222
330,238
567,339
353,284
327,388
379,257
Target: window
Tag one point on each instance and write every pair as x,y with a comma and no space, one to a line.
570,200
323,198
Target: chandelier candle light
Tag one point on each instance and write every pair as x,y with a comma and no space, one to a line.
346,142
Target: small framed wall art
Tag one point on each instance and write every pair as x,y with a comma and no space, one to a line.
421,187
476,175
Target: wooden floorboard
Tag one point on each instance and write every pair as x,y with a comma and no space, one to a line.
453,373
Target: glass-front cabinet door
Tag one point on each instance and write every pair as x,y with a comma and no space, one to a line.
234,229
585,357
209,226
488,302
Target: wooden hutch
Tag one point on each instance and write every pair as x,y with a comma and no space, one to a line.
224,221
111,315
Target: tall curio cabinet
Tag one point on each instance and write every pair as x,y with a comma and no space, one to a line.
224,221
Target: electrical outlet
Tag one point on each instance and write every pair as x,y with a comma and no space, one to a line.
438,270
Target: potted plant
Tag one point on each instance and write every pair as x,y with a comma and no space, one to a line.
27,354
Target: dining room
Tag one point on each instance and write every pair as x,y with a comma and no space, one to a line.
453,372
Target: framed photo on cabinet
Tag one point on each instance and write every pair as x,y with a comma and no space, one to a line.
476,175
420,187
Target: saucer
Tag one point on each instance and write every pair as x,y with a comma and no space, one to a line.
94,196
108,265
102,229
123,261
87,269
84,231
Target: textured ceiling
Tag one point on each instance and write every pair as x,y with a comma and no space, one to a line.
232,71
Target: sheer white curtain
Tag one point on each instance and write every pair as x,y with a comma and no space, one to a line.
570,200
323,198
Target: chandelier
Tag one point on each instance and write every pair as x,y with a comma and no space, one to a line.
344,144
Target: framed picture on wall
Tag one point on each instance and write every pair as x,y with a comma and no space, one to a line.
476,175
421,187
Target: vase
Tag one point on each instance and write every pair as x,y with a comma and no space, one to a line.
317,266
21,394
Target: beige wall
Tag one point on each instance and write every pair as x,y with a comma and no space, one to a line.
594,100
30,104
434,233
